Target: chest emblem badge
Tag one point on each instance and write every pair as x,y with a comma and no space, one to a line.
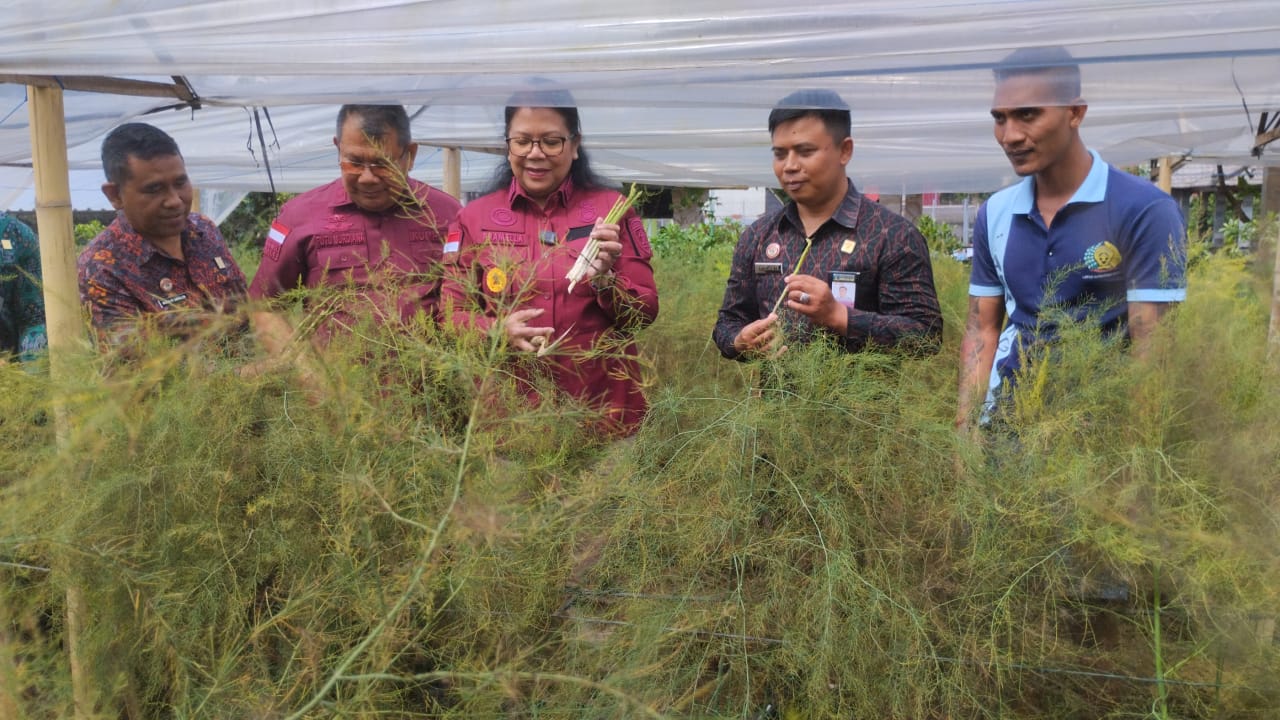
773,250
495,280
1102,257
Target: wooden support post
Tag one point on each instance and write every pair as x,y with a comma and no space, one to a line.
1271,204
63,322
453,172
1164,177
1273,332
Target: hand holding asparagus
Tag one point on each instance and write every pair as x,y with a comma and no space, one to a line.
598,257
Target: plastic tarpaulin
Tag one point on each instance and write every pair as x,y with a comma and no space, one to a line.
671,93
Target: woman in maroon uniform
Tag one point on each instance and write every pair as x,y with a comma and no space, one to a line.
508,253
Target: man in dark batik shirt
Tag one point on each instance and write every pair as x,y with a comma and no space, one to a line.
22,331
157,256
866,279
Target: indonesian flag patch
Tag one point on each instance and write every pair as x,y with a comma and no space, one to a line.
275,241
278,232
453,241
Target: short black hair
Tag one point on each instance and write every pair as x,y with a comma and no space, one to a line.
1054,64
825,105
376,120
562,102
139,140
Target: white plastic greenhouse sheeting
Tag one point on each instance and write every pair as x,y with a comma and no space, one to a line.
671,92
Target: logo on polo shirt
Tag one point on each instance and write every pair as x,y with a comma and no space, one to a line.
1103,257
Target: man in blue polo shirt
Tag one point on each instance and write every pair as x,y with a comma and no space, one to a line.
1076,234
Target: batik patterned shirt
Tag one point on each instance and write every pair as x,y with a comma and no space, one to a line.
877,253
122,276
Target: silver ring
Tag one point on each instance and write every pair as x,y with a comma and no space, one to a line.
804,298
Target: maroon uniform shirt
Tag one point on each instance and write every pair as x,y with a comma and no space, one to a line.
322,239
513,255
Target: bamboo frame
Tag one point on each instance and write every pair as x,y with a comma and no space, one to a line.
1271,204
63,322
1165,176
453,172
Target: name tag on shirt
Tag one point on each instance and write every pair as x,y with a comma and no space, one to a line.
844,286
171,301
766,268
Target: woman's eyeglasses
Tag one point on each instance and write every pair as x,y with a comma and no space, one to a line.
551,145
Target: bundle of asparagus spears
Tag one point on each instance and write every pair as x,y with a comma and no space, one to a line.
592,248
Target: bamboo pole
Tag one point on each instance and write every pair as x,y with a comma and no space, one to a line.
1273,332
1165,177
453,172
1271,204
63,322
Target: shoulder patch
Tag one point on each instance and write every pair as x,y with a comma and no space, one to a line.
453,241
641,239
278,232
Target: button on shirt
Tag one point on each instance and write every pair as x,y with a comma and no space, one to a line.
323,239
121,275
1119,239
508,254
894,299
22,328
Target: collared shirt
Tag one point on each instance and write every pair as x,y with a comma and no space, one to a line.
121,275
323,239
22,330
894,300
1119,239
508,254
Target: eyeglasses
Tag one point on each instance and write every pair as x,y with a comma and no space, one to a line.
551,145
381,167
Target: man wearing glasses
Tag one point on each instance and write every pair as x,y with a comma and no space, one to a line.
374,231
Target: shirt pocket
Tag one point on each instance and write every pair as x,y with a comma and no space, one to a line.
424,248
339,258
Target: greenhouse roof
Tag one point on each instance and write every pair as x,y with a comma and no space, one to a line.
671,92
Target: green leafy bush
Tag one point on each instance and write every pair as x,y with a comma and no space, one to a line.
690,243
84,233
942,240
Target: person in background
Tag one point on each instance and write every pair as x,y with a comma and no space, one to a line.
872,255
1074,234
22,331
374,229
509,252
157,257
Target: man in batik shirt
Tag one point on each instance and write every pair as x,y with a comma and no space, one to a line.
838,263
157,256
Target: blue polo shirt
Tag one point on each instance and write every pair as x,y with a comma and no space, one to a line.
1119,239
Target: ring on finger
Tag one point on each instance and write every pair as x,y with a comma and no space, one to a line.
804,298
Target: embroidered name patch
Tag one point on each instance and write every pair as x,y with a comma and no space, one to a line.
354,237
504,238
